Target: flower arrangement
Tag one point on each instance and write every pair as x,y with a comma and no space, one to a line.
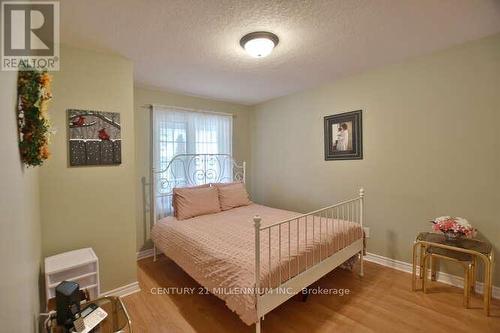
453,227
34,94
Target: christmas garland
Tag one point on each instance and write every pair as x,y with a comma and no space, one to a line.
33,91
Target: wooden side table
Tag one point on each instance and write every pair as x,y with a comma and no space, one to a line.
430,247
117,321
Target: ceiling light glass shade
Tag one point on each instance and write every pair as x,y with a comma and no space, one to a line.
259,47
259,44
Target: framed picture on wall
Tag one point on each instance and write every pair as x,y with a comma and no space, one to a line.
344,136
94,138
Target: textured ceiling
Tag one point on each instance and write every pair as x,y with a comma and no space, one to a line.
192,47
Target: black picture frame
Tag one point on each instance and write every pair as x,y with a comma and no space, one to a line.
344,136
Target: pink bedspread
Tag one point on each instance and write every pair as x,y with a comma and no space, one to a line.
218,250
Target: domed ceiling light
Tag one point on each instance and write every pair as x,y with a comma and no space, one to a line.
259,44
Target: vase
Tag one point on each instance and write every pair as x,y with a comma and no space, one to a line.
452,236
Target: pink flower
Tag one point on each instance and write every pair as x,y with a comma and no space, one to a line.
453,224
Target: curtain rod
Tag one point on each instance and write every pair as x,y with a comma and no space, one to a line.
149,106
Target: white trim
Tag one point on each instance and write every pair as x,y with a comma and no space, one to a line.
442,277
123,290
145,254
387,262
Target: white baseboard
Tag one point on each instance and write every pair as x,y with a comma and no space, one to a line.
446,278
123,290
144,254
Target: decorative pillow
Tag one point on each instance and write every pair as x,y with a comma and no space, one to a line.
191,202
232,195
174,196
224,184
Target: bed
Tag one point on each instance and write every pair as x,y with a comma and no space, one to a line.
253,257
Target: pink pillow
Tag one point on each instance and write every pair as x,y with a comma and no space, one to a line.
232,195
224,184
174,196
191,202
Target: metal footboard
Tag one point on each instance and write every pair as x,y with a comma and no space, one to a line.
292,275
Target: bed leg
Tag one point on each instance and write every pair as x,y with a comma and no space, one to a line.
257,219
361,266
361,217
154,253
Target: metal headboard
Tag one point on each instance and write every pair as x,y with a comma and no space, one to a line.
186,170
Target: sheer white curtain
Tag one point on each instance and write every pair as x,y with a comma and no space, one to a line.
178,131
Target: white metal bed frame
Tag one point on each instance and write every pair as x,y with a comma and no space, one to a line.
212,168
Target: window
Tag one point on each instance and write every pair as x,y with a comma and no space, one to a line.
172,140
176,131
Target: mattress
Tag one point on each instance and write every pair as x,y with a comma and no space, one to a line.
218,250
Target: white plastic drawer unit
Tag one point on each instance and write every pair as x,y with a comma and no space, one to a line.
80,266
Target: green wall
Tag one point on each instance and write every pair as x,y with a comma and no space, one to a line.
431,146
92,206
20,234
429,143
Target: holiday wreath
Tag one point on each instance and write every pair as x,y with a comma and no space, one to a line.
33,92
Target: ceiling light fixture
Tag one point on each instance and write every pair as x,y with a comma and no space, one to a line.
259,44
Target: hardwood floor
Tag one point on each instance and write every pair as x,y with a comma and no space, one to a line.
381,301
